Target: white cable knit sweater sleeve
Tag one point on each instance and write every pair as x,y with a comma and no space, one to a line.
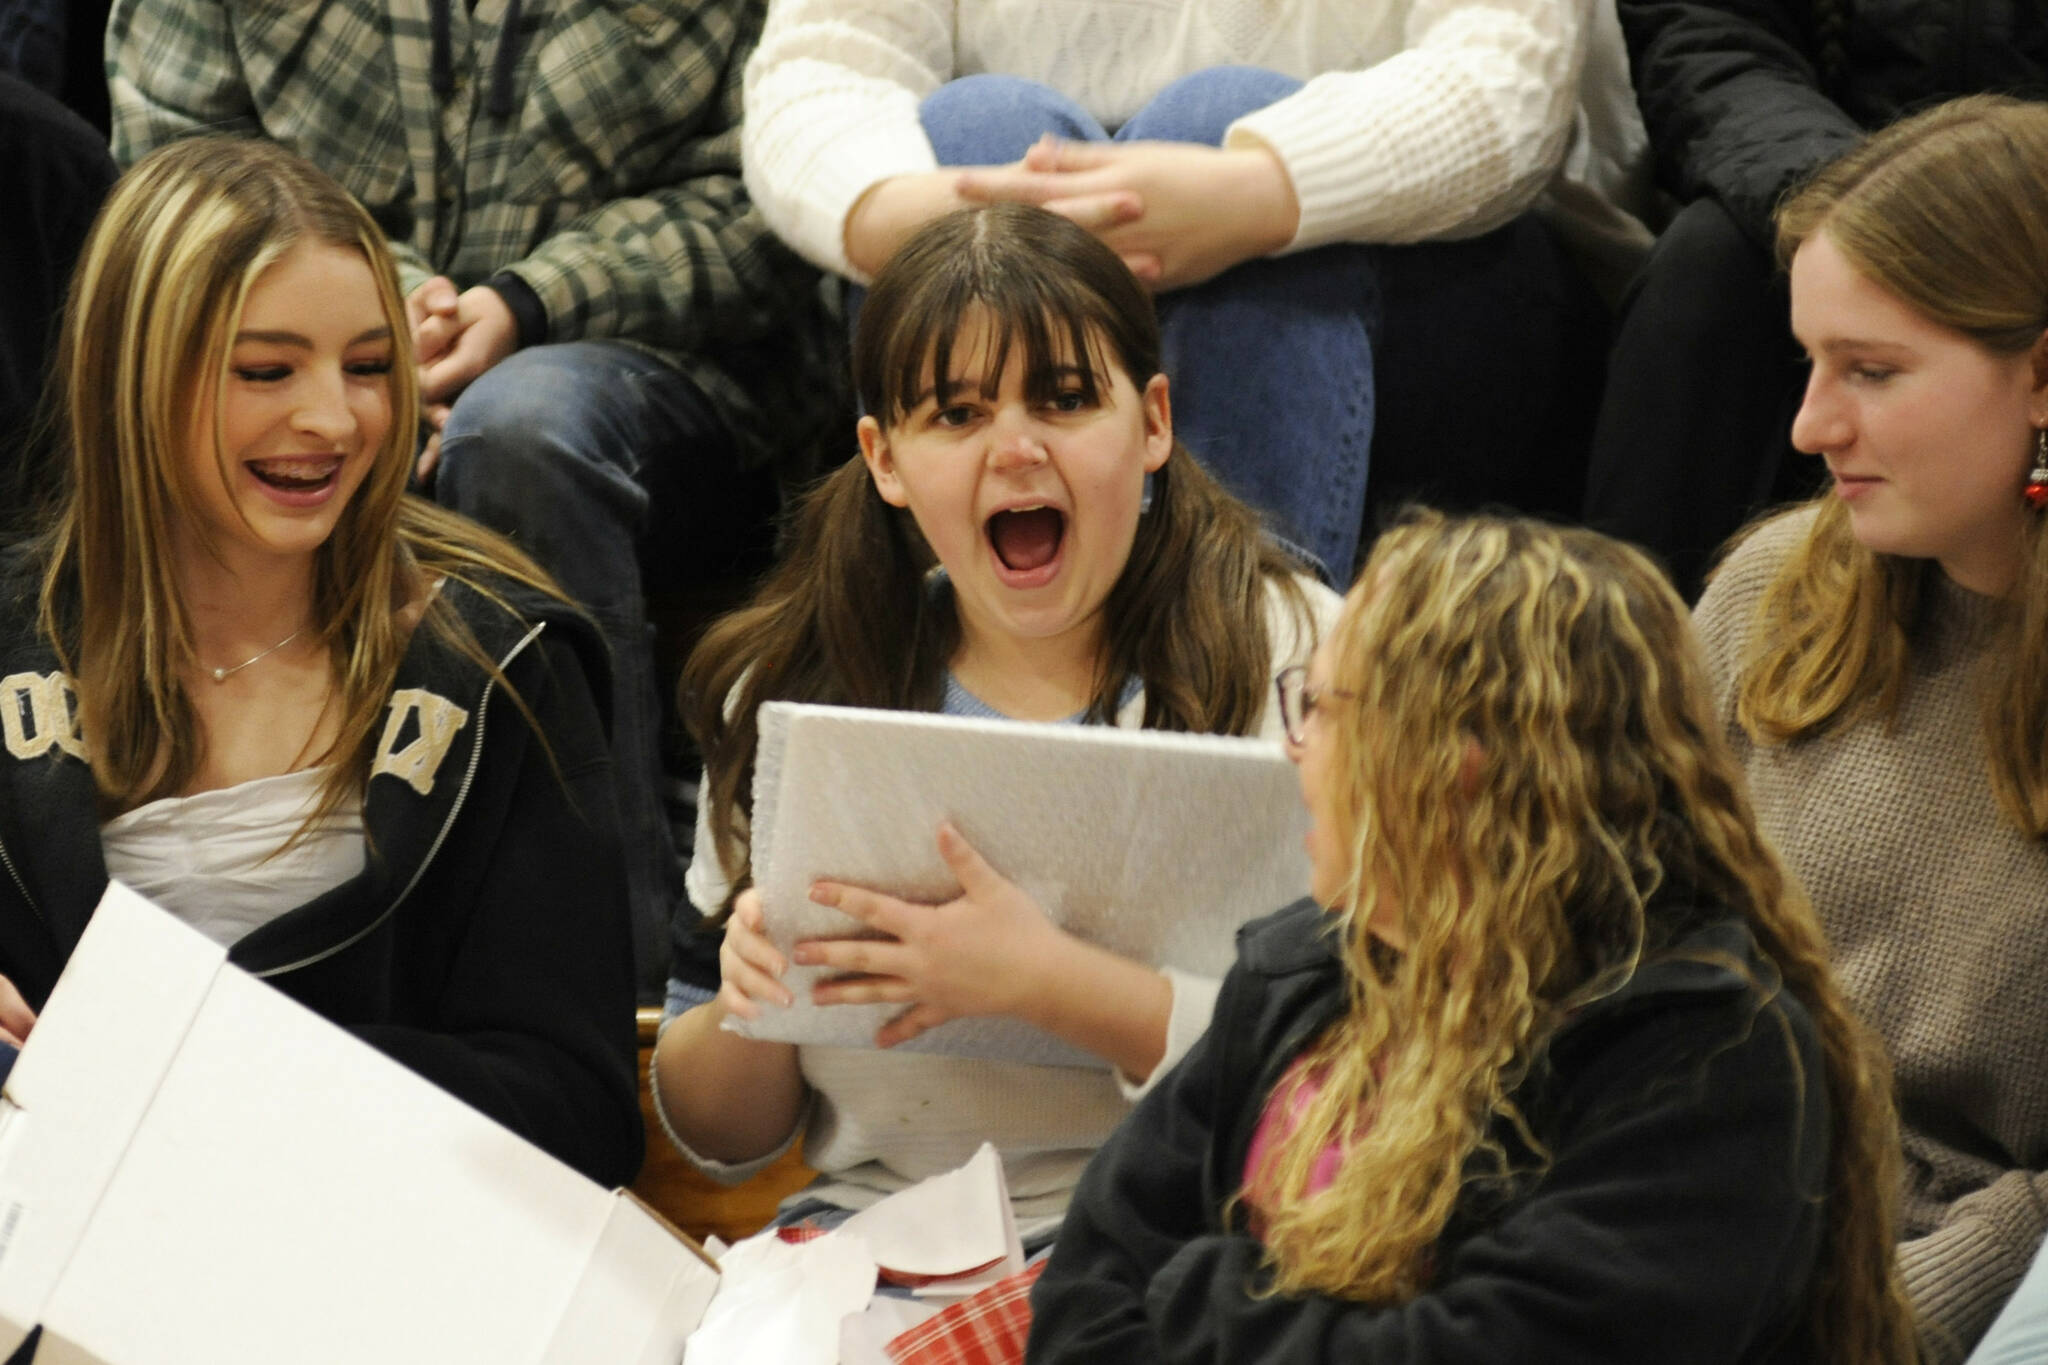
832,92
1451,137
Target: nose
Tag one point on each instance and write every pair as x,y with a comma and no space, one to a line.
1822,423
1016,441
324,411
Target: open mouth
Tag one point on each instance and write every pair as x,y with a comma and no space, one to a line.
1027,538
308,475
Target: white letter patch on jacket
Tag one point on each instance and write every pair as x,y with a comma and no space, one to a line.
39,712
418,762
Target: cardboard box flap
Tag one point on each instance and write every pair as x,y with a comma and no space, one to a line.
119,1014
344,1207
242,1182
643,1291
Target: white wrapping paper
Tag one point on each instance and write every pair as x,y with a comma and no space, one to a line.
1154,845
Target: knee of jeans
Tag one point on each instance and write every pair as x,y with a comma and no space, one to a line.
1201,106
529,421
989,118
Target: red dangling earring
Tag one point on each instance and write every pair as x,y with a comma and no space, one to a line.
2036,491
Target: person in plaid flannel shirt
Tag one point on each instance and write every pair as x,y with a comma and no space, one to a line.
617,353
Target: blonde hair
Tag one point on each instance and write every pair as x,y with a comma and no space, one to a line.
1522,888
1948,211
154,305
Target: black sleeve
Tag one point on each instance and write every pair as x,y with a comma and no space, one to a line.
529,1012
1732,102
1677,1224
1138,1202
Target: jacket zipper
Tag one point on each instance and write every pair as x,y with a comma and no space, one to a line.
20,885
476,753
1270,1072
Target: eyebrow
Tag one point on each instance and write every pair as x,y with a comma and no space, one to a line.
306,343
1055,372
1836,345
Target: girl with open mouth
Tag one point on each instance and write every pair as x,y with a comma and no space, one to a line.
250,677
1020,538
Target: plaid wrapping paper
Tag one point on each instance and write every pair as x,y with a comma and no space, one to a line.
612,189
987,1329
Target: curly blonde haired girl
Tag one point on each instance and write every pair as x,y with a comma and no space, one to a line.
1551,1066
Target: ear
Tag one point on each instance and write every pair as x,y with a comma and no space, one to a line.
2037,399
874,452
1158,405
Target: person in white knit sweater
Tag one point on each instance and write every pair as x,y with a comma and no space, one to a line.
1020,438
1258,147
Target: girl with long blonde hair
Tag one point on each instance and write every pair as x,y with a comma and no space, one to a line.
1881,655
250,676
1550,1067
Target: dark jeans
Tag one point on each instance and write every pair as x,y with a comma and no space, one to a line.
1694,435
607,466
1489,377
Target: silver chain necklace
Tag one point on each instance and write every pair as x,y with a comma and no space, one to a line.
221,675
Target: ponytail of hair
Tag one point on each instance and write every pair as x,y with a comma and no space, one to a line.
844,617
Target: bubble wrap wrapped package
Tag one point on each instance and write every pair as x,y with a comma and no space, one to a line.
1154,845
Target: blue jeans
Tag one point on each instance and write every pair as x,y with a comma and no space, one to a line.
1271,361
577,451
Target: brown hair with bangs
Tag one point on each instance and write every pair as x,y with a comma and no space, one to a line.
941,279
848,617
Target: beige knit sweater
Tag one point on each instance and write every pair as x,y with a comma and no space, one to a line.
1937,912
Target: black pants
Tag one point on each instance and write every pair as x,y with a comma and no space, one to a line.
1487,375
1693,437
56,170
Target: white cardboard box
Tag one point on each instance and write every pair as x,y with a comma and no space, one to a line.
195,1168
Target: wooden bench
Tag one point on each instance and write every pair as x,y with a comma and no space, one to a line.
696,1204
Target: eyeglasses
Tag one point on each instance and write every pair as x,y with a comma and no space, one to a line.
1298,701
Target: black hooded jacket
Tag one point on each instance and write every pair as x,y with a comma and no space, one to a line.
1678,1220
485,943
1745,98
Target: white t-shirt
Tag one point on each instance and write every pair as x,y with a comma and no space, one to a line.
213,860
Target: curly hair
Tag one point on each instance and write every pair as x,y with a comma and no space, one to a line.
1521,887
